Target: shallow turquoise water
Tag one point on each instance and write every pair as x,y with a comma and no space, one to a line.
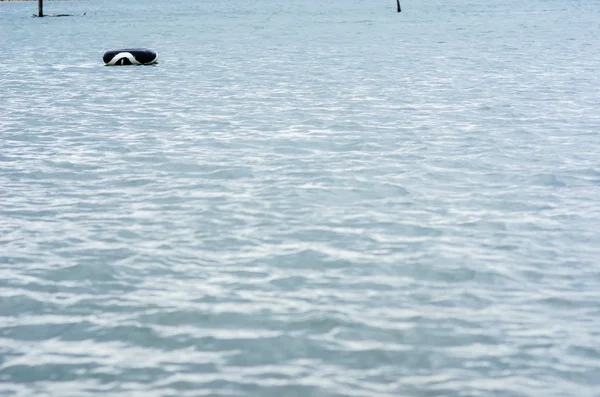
301,199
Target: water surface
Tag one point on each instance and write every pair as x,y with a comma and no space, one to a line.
301,199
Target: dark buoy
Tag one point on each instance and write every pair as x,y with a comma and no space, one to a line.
398,4
133,56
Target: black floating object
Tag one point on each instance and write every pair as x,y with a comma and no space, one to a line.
398,3
133,56
54,15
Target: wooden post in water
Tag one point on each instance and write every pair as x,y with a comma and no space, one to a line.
40,8
397,2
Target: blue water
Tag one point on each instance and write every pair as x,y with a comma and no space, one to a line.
301,198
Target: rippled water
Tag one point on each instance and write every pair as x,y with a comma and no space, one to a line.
301,199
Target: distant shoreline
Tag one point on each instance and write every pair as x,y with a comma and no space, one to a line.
37,0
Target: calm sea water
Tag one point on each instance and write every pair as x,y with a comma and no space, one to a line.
302,198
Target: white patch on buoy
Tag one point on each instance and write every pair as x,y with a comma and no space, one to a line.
120,56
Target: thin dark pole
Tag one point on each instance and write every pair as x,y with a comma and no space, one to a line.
41,8
397,2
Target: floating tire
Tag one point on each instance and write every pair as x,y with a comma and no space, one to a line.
134,56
